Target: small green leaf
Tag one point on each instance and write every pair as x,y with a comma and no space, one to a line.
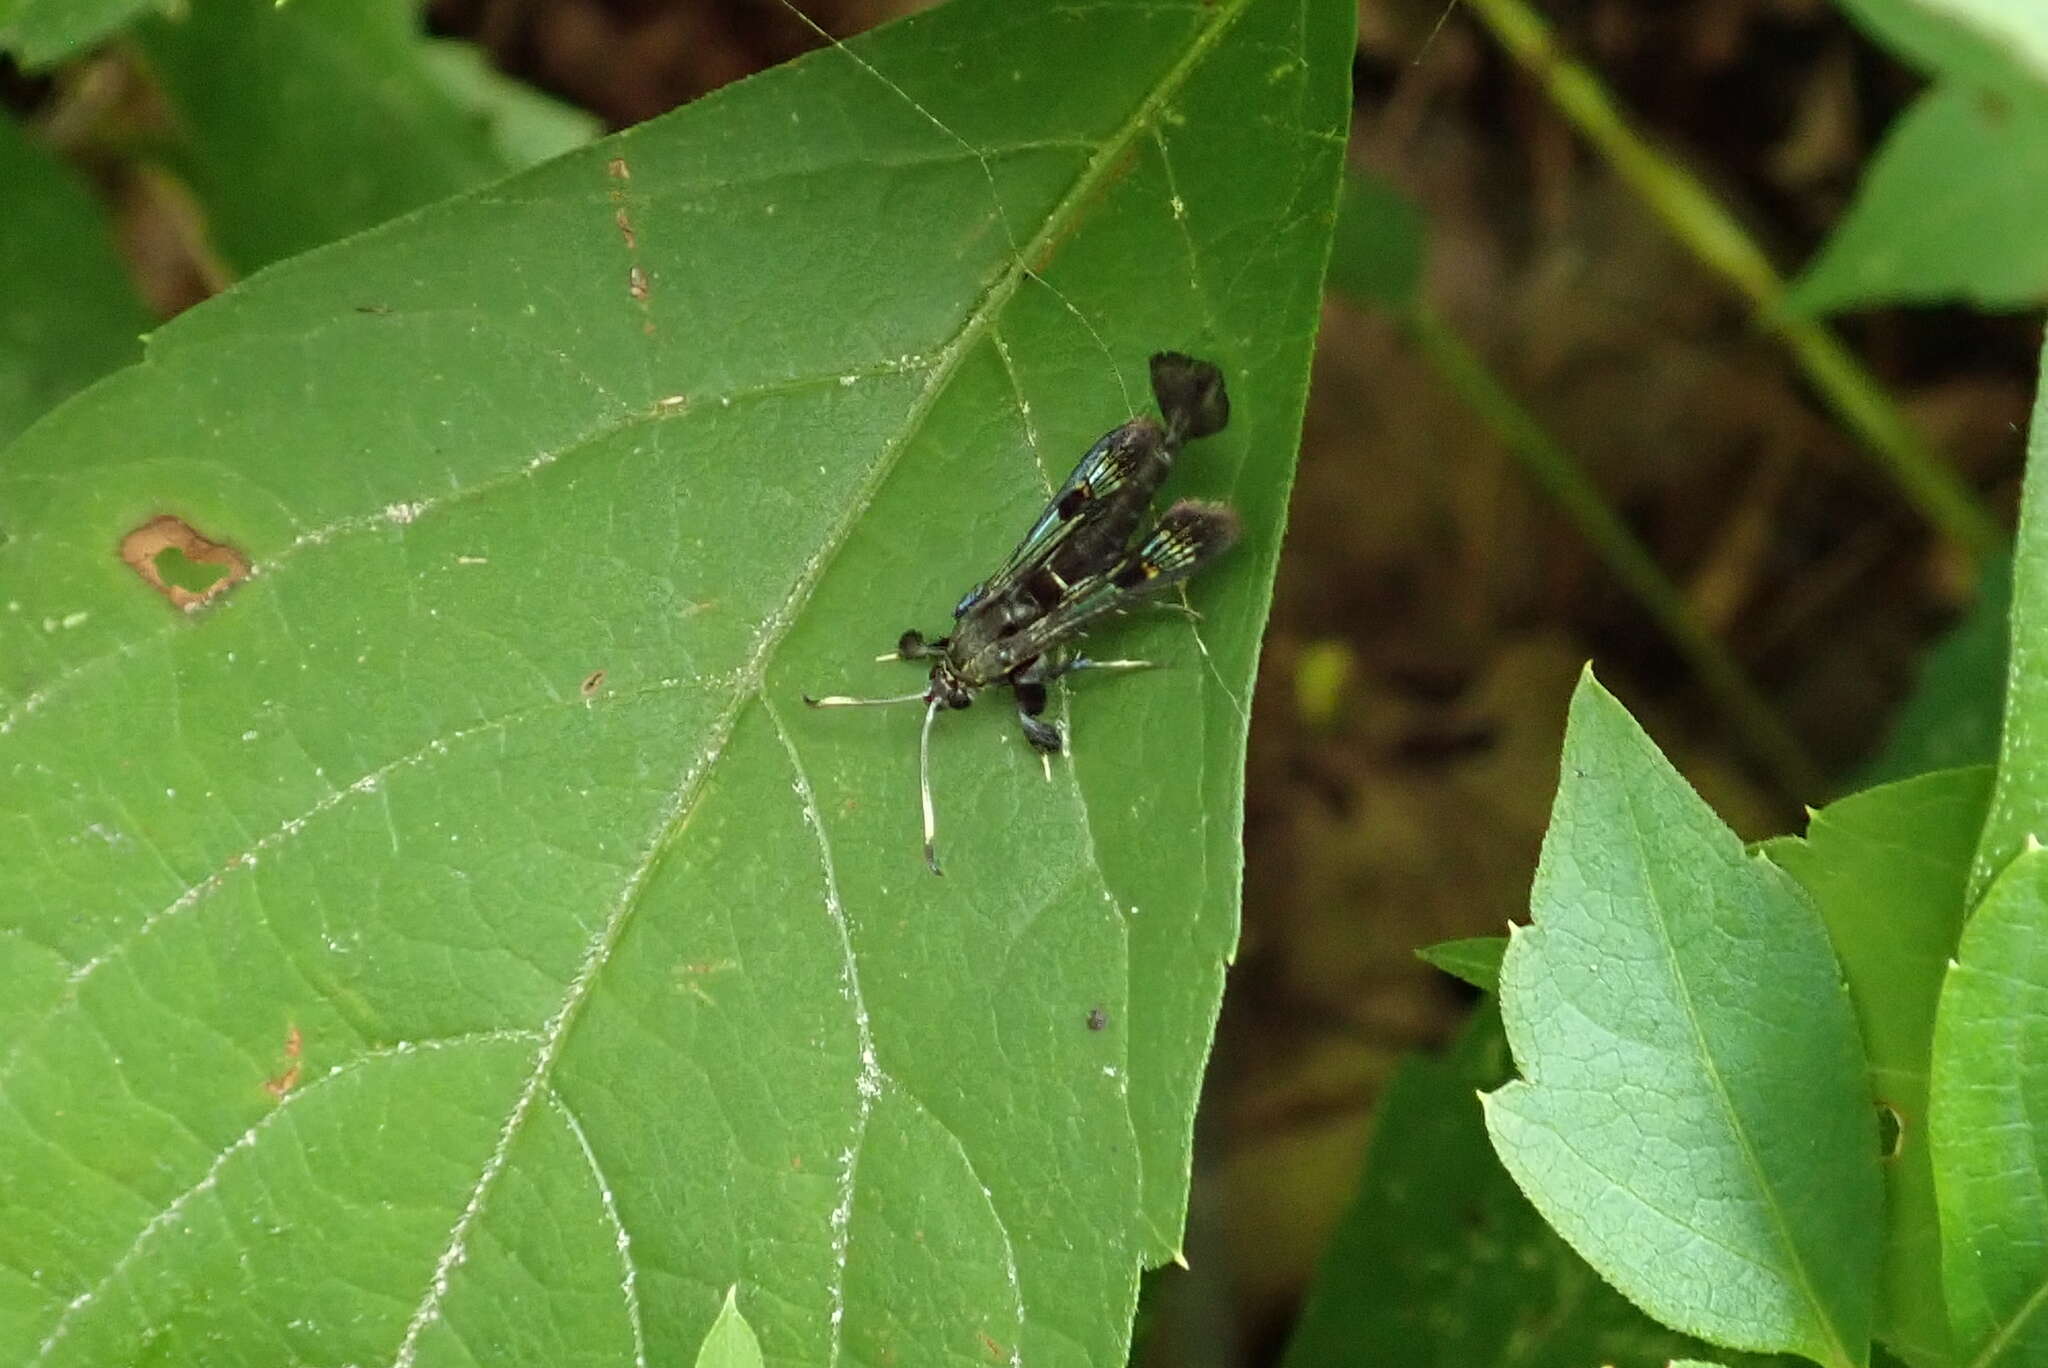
1475,959
1440,1262
453,940
1983,42
730,1343
1694,1116
1950,208
1990,1140
1376,256
1888,869
2019,797
306,122
67,314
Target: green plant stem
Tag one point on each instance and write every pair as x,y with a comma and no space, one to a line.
1558,475
1714,236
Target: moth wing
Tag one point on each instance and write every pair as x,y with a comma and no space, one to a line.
1113,481
1188,536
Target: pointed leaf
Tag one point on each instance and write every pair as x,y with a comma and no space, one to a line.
1693,1117
451,939
731,1342
2019,795
1475,959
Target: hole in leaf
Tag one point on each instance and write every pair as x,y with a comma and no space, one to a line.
180,571
1891,1130
180,563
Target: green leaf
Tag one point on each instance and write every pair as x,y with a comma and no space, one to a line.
730,1343
1990,1146
67,314
1952,716
453,939
1694,1117
1476,959
1376,256
1986,42
42,32
306,122
2019,797
525,126
1440,1262
1949,209
1888,869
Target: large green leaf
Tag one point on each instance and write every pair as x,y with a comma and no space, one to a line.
453,938
2019,796
1888,869
306,122
67,312
1990,1143
1693,1115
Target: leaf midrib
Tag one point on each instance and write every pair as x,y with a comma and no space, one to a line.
1738,1123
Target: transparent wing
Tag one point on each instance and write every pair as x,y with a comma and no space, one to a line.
1189,536
1093,514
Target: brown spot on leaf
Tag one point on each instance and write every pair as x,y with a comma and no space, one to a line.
592,682
185,566
617,169
284,1082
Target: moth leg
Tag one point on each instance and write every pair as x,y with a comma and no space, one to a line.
912,646
1044,736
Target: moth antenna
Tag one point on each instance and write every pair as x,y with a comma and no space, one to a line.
924,786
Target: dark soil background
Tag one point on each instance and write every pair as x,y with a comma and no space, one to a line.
1451,604
1444,606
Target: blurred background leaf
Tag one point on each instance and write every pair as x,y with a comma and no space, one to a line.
1440,1261
39,32
303,123
68,314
